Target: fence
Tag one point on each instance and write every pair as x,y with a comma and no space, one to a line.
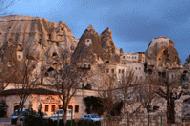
142,120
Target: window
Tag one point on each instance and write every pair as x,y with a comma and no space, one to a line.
70,107
19,56
53,108
107,70
119,70
60,106
107,61
112,70
123,71
133,57
172,76
54,54
50,69
76,108
88,42
16,107
46,108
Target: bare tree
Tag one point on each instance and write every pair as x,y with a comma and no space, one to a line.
167,86
27,84
125,84
127,80
147,92
170,93
4,5
106,92
67,83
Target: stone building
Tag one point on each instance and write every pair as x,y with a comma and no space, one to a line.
138,57
123,69
48,99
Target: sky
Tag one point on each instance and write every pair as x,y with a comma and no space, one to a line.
134,23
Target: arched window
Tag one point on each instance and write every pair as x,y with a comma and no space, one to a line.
54,54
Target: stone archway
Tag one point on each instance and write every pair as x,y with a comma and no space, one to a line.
16,107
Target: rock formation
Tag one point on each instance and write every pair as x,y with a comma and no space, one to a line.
110,51
42,47
89,48
93,52
95,49
161,52
41,42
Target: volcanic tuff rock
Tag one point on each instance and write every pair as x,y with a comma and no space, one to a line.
93,48
93,52
161,52
33,39
109,47
89,47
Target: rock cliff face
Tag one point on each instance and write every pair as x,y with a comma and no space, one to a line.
42,47
33,39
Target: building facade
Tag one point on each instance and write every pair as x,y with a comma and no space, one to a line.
48,100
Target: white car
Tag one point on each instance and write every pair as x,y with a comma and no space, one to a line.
58,115
92,117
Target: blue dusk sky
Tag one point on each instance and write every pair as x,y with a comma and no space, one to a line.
133,22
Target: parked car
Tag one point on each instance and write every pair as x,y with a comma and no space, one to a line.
186,117
92,117
58,115
18,115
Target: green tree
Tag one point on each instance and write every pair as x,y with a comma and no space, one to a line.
94,105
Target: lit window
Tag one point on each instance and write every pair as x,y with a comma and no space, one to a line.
53,108
70,107
76,108
60,106
46,108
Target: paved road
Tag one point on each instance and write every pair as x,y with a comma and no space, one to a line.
5,122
